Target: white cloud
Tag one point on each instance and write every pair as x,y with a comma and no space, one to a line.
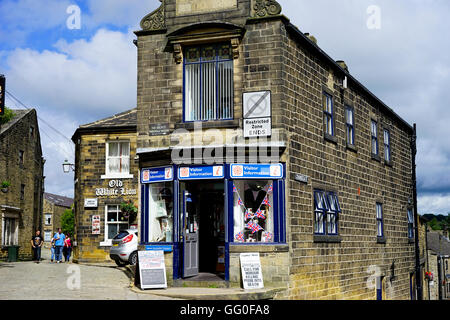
437,204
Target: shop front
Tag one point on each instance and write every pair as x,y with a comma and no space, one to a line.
198,213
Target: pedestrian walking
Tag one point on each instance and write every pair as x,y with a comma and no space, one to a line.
52,250
59,238
67,247
36,243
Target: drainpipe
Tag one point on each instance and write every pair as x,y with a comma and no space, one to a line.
426,258
439,276
416,228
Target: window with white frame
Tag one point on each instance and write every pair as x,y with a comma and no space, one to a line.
350,125
48,219
410,224
117,159
114,222
380,227
326,213
374,131
208,83
10,232
387,145
328,114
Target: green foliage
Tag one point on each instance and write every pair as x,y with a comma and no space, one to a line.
129,210
68,222
5,184
8,115
438,222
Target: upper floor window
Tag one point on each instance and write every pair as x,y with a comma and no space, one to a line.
208,83
21,154
22,192
387,145
350,124
328,114
374,130
410,224
380,227
117,159
326,213
48,219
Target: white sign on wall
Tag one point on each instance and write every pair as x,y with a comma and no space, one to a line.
251,271
257,112
91,203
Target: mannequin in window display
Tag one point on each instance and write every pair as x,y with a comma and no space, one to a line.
254,195
166,220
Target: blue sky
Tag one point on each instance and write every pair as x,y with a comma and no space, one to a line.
75,76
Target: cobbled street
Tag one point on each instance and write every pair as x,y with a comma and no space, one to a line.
65,281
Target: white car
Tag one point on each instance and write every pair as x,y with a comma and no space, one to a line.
124,247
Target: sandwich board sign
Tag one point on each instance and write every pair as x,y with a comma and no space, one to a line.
251,271
152,269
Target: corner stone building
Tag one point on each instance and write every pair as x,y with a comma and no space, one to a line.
21,164
337,187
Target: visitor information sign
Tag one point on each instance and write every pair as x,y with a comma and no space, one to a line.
251,271
152,175
152,269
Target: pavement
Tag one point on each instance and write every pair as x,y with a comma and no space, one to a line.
28,280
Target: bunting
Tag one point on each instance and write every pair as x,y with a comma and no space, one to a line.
255,227
239,237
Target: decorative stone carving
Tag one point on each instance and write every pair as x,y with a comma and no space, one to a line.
266,8
235,47
177,53
155,20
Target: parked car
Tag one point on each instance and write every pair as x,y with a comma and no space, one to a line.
124,247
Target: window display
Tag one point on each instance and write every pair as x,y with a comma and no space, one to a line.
253,211
160,212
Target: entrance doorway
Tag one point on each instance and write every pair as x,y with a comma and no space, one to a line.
203,228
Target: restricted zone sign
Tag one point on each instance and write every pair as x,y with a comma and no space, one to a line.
257,113
2,94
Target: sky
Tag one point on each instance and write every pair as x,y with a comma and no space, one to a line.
75,71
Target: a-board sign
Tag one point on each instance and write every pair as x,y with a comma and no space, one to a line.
152,269
251,271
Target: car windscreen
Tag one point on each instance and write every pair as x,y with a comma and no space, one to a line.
121,235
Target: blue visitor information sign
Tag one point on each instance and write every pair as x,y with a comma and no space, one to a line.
152,175
256,171
201,172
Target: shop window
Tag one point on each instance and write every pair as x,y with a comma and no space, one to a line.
410,224
117,159
374,131
253,210
328,114
48,219
380,227
387,146
21,154
326,213
22,192
160,212
208,83
350,124
10,232
114,222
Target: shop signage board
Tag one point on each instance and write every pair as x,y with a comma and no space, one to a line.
256,171
153,175
165,248
257,110
91,203
96,224
251,271
201,172
152,269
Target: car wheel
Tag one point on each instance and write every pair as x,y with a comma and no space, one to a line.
120,263
132,259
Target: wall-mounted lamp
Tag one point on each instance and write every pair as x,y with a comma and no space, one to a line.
67,166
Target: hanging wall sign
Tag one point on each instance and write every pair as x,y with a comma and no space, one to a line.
152,175
201,172
256,171
152,269
251,271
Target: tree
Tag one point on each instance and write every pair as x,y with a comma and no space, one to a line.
68,222
8,115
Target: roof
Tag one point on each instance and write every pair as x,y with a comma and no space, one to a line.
438,243
126,120
58,200
18,114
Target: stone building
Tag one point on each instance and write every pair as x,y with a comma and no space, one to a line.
54,207
438,247
106,175
22,165
252,139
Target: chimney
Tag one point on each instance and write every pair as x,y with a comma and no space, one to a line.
342,64
312,38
